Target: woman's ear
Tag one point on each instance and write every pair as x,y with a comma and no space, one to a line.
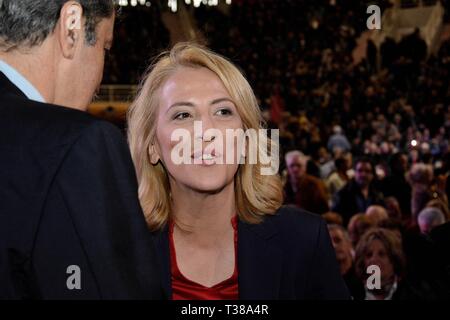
154,155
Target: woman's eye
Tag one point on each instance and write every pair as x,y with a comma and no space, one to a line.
181,116
224,112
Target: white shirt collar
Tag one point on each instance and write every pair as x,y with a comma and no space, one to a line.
21,82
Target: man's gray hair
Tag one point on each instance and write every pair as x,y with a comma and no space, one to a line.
294,154
27,23
431,215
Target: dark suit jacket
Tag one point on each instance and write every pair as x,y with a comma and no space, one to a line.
68,196
349,200
288,256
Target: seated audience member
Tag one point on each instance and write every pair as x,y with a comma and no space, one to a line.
358,224
383,248
338,140
339,178
393,208
395,184
333,218
327,165
441,205
359,193
295,167
377,214
429,218
301,189
344,255
420,177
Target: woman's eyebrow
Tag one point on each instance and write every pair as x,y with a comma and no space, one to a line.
221,100
190,104
181,104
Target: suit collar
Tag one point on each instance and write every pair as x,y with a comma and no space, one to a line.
21,82
259,261
7,86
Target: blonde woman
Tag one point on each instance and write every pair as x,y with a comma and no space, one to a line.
220,230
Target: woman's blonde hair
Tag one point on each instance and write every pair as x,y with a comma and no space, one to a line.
256,195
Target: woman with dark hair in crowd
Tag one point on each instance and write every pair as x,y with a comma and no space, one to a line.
383,248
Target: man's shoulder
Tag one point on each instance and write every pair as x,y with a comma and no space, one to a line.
21,109
24,120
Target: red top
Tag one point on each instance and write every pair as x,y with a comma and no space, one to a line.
185,289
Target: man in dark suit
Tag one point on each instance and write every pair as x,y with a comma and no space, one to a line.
71,226
359,193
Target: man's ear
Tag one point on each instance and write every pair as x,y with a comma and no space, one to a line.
70,28
153,153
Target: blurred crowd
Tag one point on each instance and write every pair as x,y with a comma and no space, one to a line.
366,146
396,220
139,36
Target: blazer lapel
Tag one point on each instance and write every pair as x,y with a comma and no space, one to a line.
161,239
259,262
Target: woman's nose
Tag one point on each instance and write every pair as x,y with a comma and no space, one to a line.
205,129
207,122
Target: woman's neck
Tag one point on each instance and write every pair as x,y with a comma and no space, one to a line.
387,286
201,214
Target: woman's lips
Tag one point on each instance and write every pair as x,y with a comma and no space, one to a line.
203,157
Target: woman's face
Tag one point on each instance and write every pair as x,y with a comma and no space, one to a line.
376,254
190,95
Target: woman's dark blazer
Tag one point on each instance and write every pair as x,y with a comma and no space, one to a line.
287,256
